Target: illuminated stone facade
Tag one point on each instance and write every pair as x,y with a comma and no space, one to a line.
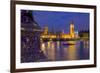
61,35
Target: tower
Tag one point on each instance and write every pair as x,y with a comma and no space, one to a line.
72,30
46,30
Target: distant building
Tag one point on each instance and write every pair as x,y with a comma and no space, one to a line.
84,34
45,30
71,33
62,35
76,34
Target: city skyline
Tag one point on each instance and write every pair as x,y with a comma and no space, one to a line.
40,45
58,21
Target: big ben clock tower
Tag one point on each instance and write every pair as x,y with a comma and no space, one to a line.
72,30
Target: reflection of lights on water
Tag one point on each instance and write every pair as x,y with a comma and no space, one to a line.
52,51
49,49
53,45
58,44
43,48
72,51
86,44
48,44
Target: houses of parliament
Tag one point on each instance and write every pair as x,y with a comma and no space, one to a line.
71,35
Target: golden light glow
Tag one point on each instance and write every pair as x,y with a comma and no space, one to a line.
72,52
58,44
43,46
48,35
48,44
65,36
51,50
45,30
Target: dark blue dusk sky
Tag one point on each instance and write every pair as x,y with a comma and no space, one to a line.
59,21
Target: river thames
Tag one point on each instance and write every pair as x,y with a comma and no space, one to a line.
66,50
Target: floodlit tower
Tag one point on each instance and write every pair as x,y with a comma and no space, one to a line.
72,30
45,30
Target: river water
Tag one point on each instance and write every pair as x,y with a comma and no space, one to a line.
66,50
